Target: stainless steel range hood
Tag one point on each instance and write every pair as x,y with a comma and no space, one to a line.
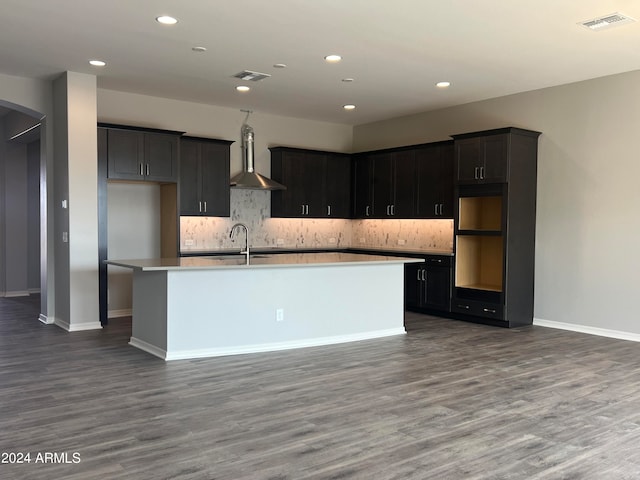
249,178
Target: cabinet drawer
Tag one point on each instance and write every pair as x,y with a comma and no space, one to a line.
477,309
438,260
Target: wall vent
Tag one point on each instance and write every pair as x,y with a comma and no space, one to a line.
251,76
607,21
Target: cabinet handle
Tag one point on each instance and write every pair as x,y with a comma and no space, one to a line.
366,211
481,173
205,207
147,170
418,274
393,210
302,212
328,210
424,275
441,209
200,207
388,210
489,310
141,172
307,211
435,209
466,307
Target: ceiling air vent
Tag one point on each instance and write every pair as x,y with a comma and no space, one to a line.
251,76
608,21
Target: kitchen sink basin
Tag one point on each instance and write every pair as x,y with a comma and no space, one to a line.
236,256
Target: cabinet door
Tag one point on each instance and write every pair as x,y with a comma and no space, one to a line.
125,154
434,176
403,184
495,158
190,179
383,169
446,181
289,168
337,186
161,157
362,187
469,158
214,179
412,285
312,184
437,288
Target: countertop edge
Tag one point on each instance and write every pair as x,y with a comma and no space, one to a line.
146,265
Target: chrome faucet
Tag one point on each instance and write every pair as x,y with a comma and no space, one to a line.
232,235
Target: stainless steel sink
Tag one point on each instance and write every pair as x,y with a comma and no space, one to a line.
235,256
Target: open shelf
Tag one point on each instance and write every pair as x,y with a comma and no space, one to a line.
480,213
479,262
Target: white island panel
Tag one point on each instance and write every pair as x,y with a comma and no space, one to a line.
212,313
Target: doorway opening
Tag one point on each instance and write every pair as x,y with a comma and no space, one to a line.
23,217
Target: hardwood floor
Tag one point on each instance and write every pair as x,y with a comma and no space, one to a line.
449,400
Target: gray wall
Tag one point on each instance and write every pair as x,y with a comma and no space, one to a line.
588,227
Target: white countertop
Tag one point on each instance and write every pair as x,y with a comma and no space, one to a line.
259,260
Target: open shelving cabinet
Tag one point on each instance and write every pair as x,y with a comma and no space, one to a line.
494,227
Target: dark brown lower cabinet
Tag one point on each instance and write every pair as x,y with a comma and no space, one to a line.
428,284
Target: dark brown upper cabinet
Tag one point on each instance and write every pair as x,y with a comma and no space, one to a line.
407,182
140,154
434,177
204,177
318,183
384,184
482,159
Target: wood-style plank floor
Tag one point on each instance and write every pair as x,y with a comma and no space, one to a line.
449,400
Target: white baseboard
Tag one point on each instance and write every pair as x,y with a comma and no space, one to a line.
147,347
46,320
125,312
259,348
77,327
17,293
602,332
33,291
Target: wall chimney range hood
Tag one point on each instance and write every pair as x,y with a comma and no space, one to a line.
250,179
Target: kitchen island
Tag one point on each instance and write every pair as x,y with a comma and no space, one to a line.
194,307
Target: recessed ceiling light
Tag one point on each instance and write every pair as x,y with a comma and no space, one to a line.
97,63
333,58
349,107
242,88
280,65
443,84
199,49
166,20
347,80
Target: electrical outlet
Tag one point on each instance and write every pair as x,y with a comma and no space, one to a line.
332,240
65,237
280,241
279,315
401,241
362,240
188,242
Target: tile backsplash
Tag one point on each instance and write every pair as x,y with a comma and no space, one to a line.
252,208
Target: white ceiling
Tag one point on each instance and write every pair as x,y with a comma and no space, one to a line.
395,50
